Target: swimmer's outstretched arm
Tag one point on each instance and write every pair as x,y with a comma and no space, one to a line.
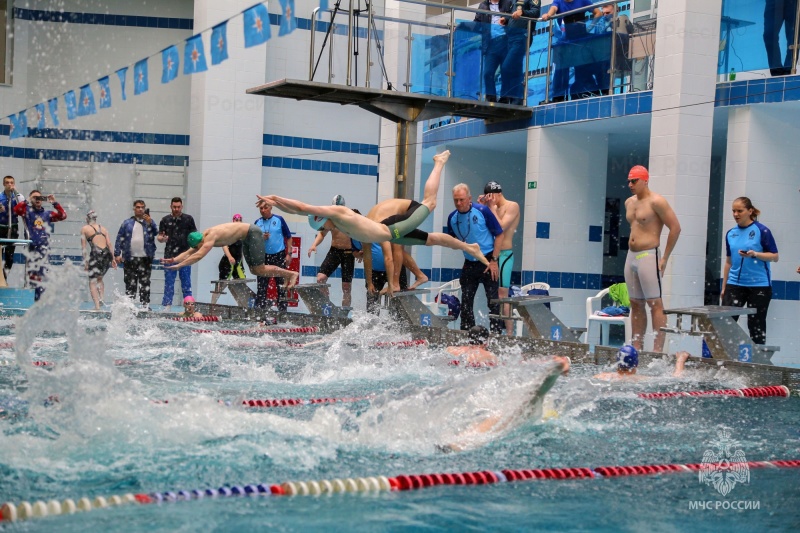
193,255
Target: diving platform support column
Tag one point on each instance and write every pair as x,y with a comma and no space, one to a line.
684,86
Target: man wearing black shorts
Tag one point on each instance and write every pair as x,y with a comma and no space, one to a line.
341,253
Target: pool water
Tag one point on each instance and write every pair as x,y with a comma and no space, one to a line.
111,432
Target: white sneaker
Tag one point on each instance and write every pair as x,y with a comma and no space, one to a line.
167,309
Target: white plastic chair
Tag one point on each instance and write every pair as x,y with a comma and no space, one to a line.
518,324
432,300
594,303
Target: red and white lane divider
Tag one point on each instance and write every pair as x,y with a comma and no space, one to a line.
195,318
25,510
290,402
769,391
306,329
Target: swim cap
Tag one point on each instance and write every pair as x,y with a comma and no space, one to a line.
237,216
627,357
338,200
194,239
478,335
639,172
316,222
188,299
91,215
491,187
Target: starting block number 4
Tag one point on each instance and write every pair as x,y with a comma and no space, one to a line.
556,334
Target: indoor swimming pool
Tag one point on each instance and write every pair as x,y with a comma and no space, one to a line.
124,405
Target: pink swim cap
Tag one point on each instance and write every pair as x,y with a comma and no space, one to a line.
237,215
188,299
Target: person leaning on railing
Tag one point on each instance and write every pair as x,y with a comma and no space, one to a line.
519,42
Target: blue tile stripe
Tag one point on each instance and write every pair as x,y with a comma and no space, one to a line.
103,136
103,19
759,91
99,157
636,103
319,166
326,145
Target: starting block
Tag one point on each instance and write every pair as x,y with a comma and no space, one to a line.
724,337
315,296
406,306
241,293
540,321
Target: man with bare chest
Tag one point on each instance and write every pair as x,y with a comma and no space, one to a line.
507,213
647,213
340,253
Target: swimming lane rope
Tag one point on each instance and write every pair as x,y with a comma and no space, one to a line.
306,329
25,510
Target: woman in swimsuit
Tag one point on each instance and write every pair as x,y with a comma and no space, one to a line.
98,257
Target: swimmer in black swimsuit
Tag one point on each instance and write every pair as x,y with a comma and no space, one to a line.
99,258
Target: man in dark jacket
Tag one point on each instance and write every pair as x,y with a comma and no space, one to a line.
511,71
136,248
173,230
494,45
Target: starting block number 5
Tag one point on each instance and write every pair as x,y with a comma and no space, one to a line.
424,320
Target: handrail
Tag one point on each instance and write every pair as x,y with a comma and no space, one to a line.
497,14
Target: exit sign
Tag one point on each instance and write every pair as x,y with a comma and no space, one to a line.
532,185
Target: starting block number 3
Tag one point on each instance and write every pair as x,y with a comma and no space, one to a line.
745,353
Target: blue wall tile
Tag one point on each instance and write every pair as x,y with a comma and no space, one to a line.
778,290
567,280
793,290
595,234
554,280
542,230
527,277
540,276
581,281
594,282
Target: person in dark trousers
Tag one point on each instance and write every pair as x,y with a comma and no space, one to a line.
777,14
277,252
512,69
9,229
747,276
173,230
39,222
494,42
230,265
136,248
475,223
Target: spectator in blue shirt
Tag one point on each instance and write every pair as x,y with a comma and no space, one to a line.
747,278
475,223
9,229
277,252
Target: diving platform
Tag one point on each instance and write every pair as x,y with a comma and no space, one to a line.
392,105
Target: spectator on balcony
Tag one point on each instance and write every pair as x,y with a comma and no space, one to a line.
777,14
575,29
511,72
494,44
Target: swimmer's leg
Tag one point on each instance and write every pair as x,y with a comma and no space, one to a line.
410,264
431,190
297,207
443,239
272,271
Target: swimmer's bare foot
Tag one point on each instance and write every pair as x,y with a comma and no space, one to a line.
419,281
442,158
291,280
475,251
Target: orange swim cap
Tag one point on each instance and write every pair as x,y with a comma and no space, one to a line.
639,172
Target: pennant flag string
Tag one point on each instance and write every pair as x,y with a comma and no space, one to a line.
257,31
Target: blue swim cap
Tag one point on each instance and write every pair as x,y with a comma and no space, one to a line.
627,357
316,222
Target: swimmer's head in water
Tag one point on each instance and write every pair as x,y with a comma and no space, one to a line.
627,358
316,222
188,300
194,239
478,335
639,173
338,200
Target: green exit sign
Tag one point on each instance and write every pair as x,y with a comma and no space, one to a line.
532,185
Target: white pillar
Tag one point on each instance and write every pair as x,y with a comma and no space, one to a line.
226,127
687,47
570,198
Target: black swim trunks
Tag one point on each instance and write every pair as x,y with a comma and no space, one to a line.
336,257
254,247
